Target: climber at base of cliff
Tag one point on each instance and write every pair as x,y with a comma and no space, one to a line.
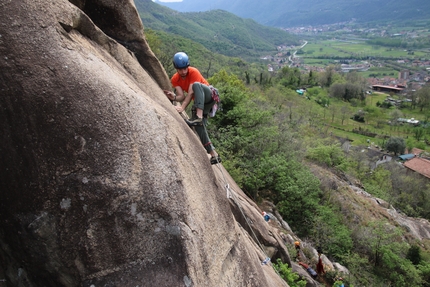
266,217
309,269
191,85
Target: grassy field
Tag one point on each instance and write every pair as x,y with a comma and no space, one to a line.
317,62
322,49
345,49
376,121
380,72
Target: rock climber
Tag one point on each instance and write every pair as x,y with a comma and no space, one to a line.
266,216
191,85
320,266
297,246
309,269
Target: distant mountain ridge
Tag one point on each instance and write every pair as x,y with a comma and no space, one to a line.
218,30
281,13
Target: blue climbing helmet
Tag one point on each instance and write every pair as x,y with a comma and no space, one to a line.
180,60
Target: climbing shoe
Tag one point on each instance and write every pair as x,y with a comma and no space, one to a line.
215,159
195,122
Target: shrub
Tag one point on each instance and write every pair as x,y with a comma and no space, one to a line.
286,273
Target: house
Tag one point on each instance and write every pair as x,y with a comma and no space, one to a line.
411,121
419,165
405,157
383,159
385,88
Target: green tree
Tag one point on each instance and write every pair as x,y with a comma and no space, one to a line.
419,133
394,116
329,232
337,91
414,254
312,78
344,113
386,250
333,111
294,188
409,192
396,145
360,269
331,155
289,77
355,78
423,96
424,269
347,91
313,92
327,77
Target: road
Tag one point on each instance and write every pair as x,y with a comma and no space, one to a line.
291,57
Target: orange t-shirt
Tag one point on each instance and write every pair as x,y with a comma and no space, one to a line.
192,77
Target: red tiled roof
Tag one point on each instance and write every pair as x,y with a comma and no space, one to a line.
419,165
416,151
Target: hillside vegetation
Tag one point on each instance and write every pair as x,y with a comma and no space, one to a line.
217,30
270,138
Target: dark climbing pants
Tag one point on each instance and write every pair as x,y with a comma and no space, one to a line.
202,97
203,100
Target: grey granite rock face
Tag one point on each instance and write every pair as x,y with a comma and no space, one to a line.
101,181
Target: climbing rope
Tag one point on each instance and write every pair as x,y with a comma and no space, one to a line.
232,195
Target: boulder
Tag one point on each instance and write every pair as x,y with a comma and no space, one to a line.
340,268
